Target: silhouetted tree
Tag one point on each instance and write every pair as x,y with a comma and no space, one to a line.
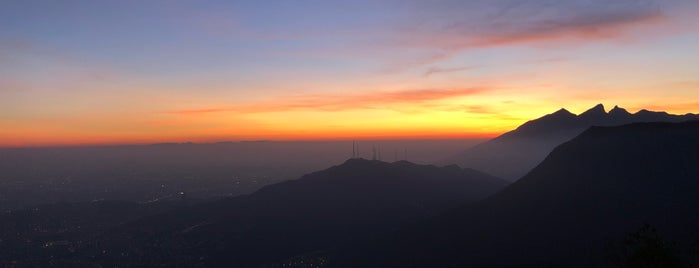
646,249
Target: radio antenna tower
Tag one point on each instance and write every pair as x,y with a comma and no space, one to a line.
354,149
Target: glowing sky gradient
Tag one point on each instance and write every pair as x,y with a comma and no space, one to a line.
127,71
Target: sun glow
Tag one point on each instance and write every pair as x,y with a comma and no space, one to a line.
460,72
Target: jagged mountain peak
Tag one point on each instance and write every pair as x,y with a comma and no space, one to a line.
560,116
563,112
523,148
618,113
596,111
618,110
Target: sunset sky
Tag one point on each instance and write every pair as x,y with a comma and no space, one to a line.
135,71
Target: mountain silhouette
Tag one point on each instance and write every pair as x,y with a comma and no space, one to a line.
295,220
590,191
513,154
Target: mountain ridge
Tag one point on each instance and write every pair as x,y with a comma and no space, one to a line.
297,218
512,154
590,191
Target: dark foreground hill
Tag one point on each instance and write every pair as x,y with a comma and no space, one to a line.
511,155
587,194
302,220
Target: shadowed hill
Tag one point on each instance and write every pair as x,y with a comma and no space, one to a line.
513,154
603,184
140,173
296,219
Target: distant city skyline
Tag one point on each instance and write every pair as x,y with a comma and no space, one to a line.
121,72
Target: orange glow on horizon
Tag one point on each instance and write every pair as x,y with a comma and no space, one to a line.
436,119
382,74
34,141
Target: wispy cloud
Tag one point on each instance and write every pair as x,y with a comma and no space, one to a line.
425,33
369,100
448,28
518,22
438,70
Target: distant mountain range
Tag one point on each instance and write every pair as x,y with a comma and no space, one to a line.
297,220
511,155
588,193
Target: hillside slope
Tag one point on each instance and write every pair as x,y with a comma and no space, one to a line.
302,219
588,193
511,155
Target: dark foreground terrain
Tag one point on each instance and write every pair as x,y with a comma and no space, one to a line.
305,219
575,209
625,196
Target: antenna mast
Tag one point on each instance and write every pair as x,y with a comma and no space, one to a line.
354,149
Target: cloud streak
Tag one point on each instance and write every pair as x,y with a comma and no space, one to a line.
428,32
438,70
520,22
370,100
448,28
